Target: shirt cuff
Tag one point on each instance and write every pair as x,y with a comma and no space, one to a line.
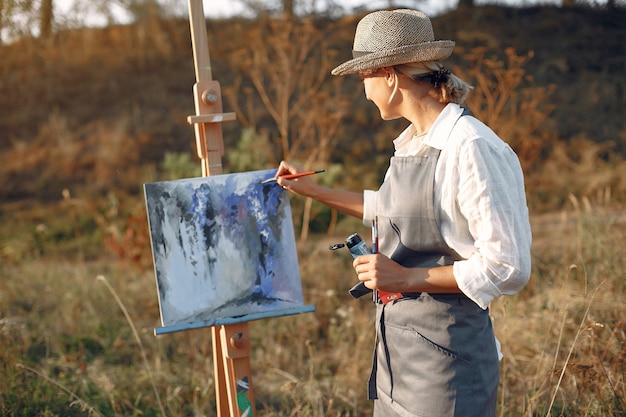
478,289
369,207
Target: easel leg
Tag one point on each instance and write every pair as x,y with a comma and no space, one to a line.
221,390
236,362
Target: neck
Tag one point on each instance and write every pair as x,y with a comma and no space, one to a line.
424,114
418,104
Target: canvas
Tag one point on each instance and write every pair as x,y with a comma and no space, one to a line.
223,248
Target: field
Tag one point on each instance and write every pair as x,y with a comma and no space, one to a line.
76,330
91,114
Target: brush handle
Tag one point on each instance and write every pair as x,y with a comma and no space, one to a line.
293,176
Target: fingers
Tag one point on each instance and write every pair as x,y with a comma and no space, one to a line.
302,186
376,271
364,267
285,168
298,186
362,260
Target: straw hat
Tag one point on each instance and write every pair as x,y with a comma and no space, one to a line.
386,38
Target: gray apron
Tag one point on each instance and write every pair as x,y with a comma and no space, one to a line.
435,354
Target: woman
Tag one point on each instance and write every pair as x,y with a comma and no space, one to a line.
452,224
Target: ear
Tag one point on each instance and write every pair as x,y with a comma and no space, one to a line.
388,71
389,74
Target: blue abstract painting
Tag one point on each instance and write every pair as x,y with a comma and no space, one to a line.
223,247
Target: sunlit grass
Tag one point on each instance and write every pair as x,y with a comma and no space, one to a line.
76,335
96,120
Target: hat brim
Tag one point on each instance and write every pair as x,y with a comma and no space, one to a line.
423,52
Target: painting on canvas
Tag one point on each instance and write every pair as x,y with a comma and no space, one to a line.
223,246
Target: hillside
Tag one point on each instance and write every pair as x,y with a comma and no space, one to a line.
102,100
580,50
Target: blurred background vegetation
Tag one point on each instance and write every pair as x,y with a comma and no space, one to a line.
89,114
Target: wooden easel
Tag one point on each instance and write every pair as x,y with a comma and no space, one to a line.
231,347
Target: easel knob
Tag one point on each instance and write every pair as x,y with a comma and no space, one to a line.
239,340
209,96
235,340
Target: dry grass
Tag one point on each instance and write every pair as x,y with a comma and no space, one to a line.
70,348
73,344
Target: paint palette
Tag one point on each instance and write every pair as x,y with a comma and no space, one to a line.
224,250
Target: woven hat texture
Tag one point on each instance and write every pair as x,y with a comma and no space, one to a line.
392,37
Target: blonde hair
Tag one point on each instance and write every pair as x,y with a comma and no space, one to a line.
451,88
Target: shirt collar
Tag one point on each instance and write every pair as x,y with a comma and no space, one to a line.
442,126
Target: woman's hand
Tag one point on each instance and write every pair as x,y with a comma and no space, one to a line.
347,202
303,186
378,272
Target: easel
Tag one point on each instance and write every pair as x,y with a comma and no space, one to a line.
231,347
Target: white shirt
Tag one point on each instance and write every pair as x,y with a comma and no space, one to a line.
479,189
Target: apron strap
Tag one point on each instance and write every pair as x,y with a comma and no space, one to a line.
372,393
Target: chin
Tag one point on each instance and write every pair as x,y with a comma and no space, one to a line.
389,117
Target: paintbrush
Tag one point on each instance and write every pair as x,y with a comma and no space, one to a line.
292,176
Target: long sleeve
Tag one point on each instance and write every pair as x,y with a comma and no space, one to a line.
491,206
